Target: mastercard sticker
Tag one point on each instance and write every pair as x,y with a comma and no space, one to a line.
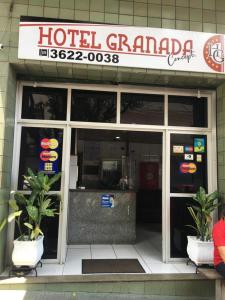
186,168
45,143
44,155
53,156
53,144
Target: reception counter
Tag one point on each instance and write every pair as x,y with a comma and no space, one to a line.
91,221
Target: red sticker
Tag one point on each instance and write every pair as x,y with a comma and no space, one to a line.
45,143
45,155
214,53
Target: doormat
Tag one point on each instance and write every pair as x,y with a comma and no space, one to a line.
91,266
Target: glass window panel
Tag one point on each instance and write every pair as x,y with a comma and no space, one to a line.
179,219
93,106
50,228
188,163
40,150
187,111
142,109
44,103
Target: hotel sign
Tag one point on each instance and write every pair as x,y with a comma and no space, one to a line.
127,46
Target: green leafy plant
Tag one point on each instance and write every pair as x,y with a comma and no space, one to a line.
28,211
201,213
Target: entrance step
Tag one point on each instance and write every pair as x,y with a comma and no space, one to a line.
39,295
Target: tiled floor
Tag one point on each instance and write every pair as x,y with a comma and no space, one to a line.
147,250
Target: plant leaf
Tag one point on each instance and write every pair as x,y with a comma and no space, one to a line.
32,212
30,226
2,225
20,198
49,212
13,215
45,204
36,232
54,179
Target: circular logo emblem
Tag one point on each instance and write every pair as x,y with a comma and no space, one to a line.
184,167
53,143
214,53
45,143
192,168
45,155
53,156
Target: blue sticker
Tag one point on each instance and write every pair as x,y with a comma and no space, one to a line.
199,145
107,201
188,149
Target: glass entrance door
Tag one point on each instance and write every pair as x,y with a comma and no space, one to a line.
188,171
41,149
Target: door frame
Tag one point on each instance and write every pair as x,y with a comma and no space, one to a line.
62,192
67,125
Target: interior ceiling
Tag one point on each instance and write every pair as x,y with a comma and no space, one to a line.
99,135
65,72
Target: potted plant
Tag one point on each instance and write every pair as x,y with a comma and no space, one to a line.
28,212
200,247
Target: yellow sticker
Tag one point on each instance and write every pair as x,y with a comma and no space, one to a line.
199,158
53,144
53,156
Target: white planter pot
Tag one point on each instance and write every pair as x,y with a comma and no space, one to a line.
200,252
27,253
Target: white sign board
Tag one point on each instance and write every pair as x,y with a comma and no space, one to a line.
116,45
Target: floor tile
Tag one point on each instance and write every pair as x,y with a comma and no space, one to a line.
50,269
183,268
79,247
125,251
100,253
74,268
147,250
161,268
75,254
73,265
103,246
144,266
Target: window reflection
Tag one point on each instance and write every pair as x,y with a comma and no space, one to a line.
187,111
93,106
142,109
44,103
179,219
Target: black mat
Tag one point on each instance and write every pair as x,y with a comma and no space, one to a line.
91,266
